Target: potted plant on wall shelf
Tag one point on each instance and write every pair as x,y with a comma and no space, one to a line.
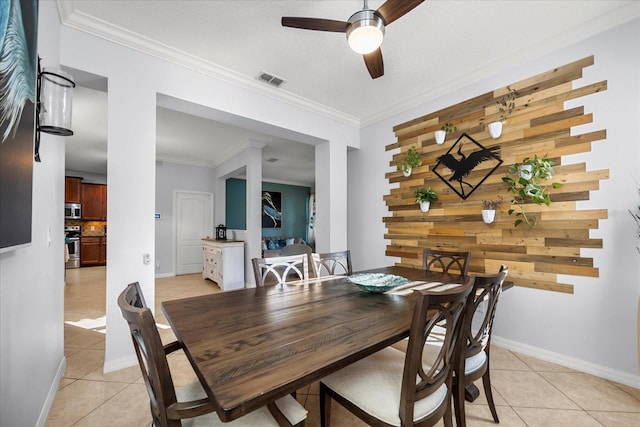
506,104
534,189
424,197
489,209
446,128
411,160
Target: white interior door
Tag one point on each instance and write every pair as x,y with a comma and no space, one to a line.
194,221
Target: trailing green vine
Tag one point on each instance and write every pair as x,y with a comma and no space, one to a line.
531,188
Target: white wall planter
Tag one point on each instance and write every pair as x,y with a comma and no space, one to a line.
525,171
495,129
488,215
424,206
407,171
439,136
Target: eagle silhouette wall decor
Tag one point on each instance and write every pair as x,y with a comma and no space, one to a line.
466,165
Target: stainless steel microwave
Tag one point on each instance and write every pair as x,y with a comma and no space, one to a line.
72,211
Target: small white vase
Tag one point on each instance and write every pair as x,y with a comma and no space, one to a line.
495,129
407,171
424,206
525,171
488,215
439,136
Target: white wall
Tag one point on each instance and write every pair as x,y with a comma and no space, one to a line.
135,79
593,330
171,177
32,280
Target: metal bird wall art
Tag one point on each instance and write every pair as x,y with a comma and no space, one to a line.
461,162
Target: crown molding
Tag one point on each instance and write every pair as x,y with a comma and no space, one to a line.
71,18
616,17
80,21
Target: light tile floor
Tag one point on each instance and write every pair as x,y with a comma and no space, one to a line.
527,391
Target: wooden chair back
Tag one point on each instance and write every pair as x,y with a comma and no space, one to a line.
278,270
333,263
422,376
446,261
486,288
300,248
152,359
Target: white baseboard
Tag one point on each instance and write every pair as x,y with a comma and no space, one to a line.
51,396
621,377
160,275
122,363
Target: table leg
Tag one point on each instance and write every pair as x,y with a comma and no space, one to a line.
471,392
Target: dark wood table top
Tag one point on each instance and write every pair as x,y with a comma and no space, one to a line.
255,345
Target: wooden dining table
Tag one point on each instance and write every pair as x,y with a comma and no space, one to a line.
252,346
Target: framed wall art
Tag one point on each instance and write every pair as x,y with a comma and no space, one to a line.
18,76
464,157
271,209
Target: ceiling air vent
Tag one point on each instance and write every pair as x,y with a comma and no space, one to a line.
270,79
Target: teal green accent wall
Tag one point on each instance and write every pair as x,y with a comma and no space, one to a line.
236,204
295,208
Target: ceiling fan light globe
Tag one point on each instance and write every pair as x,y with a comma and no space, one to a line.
365,31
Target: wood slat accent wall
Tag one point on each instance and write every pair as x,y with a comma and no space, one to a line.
540,125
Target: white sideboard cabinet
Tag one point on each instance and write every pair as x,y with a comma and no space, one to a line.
223,263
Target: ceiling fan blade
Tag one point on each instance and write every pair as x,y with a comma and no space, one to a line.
315,24
395,9
374,63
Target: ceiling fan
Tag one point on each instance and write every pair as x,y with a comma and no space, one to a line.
364,29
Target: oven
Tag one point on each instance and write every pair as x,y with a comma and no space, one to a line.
72,240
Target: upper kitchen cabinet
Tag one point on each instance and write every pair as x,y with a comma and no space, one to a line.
72,189
94,202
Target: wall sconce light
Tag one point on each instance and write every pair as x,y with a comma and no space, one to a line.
53,108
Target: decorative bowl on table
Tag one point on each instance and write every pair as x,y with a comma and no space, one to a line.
377,283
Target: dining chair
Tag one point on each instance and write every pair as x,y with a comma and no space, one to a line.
277,270
188,406
391,388
297,249
446,260
473,360
333,263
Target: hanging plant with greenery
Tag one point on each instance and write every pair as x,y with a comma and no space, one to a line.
533,189
449,127
425,195
411,160
506,104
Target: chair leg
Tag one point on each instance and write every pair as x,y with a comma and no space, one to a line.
458,402
486,382
325,407
446,418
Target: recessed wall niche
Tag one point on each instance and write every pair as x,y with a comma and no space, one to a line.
539,125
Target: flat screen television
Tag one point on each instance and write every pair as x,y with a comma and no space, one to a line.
18,83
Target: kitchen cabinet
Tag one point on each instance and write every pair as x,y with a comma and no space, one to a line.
72,189
93,251
223,263
94,202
